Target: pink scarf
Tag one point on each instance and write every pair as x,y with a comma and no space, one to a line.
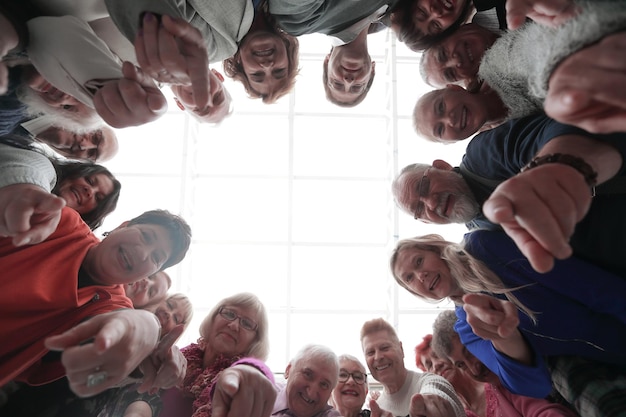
199,381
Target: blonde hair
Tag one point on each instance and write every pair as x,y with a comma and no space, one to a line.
187,307
260,346
471,275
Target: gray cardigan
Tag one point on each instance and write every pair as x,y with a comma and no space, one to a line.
22,166
519,64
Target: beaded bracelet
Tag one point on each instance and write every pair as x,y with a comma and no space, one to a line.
579,164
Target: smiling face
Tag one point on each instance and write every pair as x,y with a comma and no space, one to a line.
434,16
436,365
99,145
348,395
456,59
85,193
446,198
128,254
349,72
424,273
228,337
464,360
450,114
384,357
265,62
310,382
147,290
172,312
220,99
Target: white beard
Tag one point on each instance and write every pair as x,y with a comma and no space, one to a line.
56,116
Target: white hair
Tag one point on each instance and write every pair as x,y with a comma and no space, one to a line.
80,122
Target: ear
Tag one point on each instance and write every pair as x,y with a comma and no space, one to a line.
218,74
373,67
402,349
287,371
443,165
326,60
473,85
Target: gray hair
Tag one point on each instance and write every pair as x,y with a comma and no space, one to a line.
321,353
260,346
351,358
444,335
398,184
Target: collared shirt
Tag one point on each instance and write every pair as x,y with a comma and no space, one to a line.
349,34
281,406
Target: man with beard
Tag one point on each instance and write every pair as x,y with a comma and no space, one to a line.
547,208
35,109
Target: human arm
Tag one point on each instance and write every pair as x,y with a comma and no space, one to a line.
112,344
539,208
130,101
496,320
377,411
546,12
28,213
138,409
174,52
243,390
586,89
436,397
166,366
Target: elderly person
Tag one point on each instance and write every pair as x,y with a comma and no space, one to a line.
350,393
404,392
495,399
311,376
232,347
541,208
509,316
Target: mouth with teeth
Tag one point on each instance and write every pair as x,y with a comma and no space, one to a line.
124,260
434,282
306,399
350,392
263,52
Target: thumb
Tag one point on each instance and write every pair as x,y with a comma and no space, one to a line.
374,408
499,209
157,103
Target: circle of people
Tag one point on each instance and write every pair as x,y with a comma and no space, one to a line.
539,324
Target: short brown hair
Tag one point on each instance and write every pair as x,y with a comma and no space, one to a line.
378,325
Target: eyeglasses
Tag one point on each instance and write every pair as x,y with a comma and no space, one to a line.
422,192
244,322
358,377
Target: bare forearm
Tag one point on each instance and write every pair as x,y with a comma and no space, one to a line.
605,160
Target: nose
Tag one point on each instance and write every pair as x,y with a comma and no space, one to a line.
234,324
66,100
266,63
436,8
437,368
348,76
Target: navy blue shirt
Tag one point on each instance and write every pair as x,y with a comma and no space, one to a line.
500,153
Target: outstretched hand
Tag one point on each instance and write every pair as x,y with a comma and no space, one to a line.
130,101
243,390
587,88
545,12
108,346
166,366
539,210
430,405
173,51
28,213
497,320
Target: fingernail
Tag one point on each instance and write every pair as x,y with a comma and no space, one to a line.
148,17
